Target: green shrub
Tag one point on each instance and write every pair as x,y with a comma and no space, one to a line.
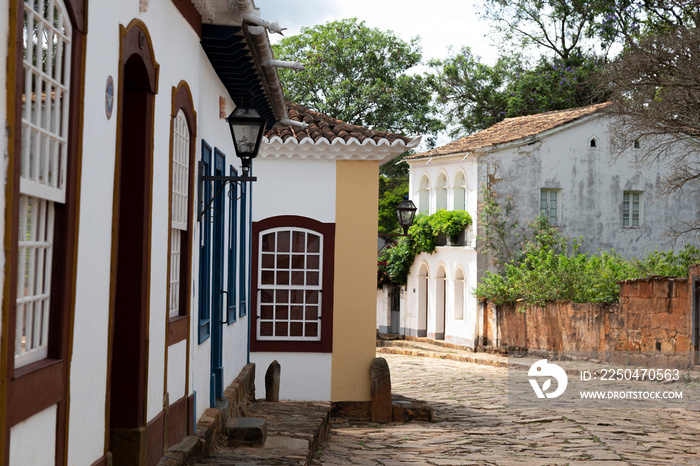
450,222
394,262
546,275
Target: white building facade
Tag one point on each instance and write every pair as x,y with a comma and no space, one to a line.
557,163
128,307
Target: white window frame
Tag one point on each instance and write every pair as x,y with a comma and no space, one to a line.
547,204
275,287
441,192
628,209
179,206
43,163
459,192
424,195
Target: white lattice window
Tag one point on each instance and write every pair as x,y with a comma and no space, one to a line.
289,285
181,170
46,76
459,192
549,205
46,39
34,279
441,193
631,209
180,189
424,195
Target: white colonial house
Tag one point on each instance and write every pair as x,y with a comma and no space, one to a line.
314,255
558,163
125,279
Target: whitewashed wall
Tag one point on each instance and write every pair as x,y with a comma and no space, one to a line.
591,187
180,56
304,187
25,437
459,331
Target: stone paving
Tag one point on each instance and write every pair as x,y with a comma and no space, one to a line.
474,425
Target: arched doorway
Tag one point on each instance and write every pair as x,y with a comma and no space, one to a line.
422,325
128,371
440,303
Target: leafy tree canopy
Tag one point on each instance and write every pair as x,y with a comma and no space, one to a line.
477,96
359,75
654,87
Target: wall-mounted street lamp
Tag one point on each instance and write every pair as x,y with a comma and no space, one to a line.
406,211
247,128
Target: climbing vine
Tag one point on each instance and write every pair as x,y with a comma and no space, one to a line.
394,262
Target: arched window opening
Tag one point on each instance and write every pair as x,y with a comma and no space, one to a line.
422,324
440,303
424,195
459,192
441,193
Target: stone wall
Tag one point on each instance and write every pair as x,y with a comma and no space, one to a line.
654,314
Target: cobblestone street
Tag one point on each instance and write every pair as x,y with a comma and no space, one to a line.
474,425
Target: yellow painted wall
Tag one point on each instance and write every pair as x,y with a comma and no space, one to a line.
355,294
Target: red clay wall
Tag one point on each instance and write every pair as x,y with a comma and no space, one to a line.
654,314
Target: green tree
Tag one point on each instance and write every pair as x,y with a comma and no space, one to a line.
557,28
391,193
654,92
554,85
362,75
472,93
476,96
359,75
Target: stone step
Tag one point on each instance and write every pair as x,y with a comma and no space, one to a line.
246,432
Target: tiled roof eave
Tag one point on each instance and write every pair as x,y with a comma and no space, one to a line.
529,139
338,149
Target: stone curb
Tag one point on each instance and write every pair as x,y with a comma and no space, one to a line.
439,355
405,348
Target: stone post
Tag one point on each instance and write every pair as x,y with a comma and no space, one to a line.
380,390
272,382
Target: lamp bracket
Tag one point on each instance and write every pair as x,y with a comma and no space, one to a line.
226,180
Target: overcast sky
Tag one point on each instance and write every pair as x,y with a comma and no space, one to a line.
439,23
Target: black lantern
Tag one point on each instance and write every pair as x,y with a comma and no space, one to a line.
247,127
405,212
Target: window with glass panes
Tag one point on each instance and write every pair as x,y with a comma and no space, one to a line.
289,285
631,209
549,203
179,207
46,76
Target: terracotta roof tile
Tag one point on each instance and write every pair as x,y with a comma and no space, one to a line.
510,130
323,126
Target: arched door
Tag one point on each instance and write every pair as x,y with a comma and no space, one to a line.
440,303
422,325
131,248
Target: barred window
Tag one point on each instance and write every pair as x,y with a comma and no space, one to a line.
441,193
43,160
424,195
631,209
460,192
549,205
289,285
180,187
